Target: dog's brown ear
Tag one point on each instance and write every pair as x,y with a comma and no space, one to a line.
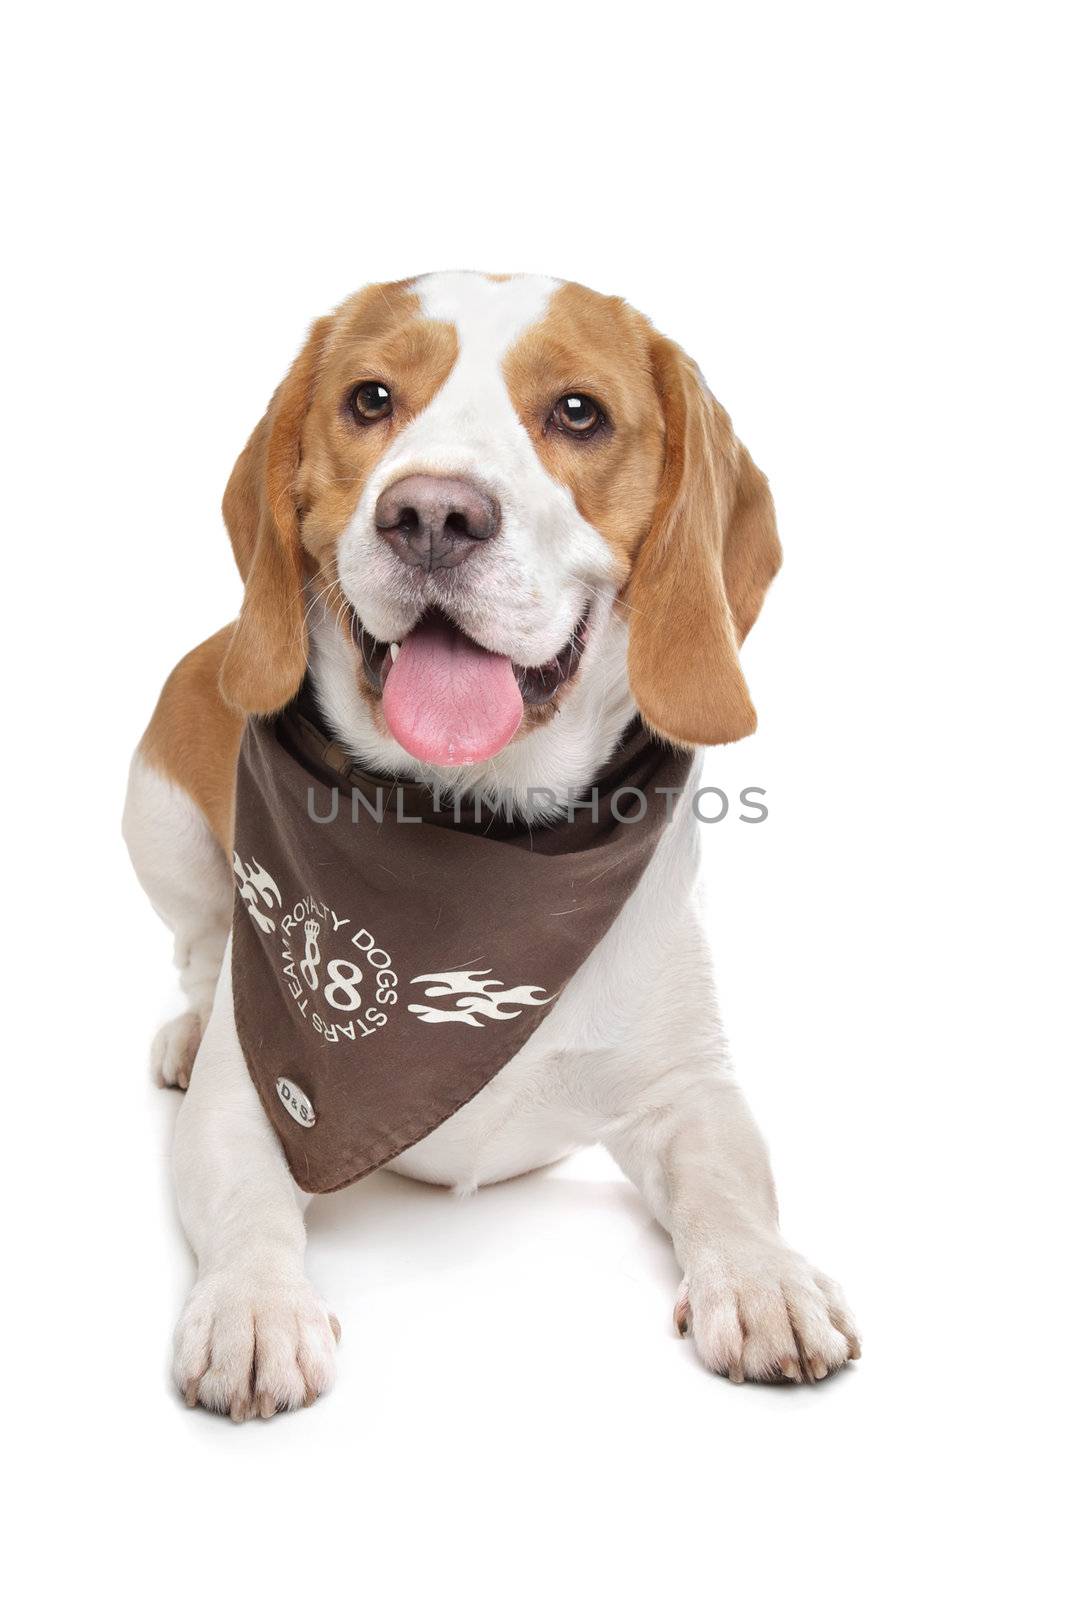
705,565
267,656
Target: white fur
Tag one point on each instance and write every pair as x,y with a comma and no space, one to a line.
188,880
631,1055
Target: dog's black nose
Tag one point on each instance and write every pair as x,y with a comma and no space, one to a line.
435,522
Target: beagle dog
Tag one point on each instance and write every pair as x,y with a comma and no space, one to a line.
522,490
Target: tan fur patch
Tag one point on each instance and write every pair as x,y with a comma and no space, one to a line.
592,344
670,490
298,480
703,569
380,334
194,735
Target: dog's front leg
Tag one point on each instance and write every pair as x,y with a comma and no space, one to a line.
254,1338
755,1308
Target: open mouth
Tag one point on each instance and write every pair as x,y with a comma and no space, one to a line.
448,700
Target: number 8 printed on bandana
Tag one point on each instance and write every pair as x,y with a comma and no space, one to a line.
344,985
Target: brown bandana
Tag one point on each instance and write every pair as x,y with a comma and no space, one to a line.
392,951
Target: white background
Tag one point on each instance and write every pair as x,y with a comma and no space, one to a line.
849,215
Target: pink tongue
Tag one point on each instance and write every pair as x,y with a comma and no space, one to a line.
447,700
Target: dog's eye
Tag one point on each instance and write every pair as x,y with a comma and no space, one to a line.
370,402
576,413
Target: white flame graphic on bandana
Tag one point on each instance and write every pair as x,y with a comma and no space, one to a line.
256,885
479,995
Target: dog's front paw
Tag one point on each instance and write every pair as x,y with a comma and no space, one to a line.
251,1345
174,1050
760,1311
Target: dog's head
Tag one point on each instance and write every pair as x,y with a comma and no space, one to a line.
484,487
